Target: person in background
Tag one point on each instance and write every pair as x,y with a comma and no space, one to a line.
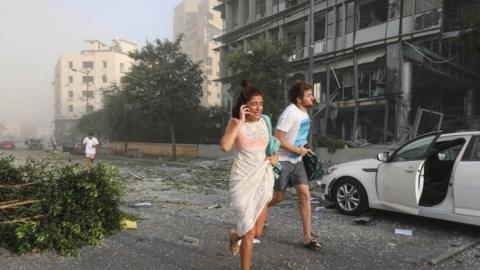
90,146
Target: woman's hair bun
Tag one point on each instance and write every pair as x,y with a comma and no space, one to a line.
245,83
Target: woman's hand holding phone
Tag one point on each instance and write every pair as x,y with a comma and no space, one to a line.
244,110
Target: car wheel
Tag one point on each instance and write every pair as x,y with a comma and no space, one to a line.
349,196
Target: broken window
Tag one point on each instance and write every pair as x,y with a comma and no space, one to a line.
320,23
429,13
339,26
350,17
407,7
372,12
371,79
426,5
331,23
347,82
393,9
260,8
453,13
278,5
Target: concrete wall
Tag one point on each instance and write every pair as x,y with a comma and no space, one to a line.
213,151
154,149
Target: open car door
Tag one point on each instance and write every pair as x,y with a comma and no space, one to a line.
400,180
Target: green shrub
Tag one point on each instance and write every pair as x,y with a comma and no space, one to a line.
78,206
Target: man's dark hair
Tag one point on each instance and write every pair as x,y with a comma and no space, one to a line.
298,89
90,134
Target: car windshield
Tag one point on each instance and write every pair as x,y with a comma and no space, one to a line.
414,150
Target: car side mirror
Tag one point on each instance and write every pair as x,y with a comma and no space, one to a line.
383,157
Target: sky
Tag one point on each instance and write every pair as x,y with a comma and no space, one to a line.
34,33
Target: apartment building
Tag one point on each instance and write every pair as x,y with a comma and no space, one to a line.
200,24
80,80
383,69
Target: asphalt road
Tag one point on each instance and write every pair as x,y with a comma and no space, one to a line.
186,228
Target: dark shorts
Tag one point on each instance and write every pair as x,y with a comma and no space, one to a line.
291,175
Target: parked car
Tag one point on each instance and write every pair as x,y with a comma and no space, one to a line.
78,149
7,145
34,144
435,175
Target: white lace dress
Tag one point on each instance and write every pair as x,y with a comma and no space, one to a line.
251,178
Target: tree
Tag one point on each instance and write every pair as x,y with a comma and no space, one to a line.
164,84
264,64
94,122
120,113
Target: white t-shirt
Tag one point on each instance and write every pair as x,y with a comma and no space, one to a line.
90,145
296,124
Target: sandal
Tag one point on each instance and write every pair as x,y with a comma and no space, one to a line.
234,247
313,245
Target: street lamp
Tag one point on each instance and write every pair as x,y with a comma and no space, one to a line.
87,94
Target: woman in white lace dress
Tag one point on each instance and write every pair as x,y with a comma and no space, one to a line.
251,178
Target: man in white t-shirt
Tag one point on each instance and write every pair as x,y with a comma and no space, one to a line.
292,131
90,145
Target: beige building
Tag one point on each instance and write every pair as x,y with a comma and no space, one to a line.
81,78
199,24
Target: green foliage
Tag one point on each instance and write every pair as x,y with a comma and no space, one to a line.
79,207
95,122
266,66
8,172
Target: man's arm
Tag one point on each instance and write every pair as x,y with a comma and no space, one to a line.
300,150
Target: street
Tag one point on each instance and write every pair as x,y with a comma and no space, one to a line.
185,227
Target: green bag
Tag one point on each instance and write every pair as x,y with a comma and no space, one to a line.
313,167
272,147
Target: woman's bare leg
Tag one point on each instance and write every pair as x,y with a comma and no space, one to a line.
246,249
259,225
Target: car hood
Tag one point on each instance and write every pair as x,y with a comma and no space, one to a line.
366,163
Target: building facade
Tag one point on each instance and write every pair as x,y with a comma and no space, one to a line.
200,24
80,80
383,69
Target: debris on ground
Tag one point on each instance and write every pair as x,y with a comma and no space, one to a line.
363,219
451,253
391,245
128,224
406,232
136,176
191,240
142,204
215,206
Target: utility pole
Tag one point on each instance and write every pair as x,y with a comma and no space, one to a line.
311,47
87,72
311,44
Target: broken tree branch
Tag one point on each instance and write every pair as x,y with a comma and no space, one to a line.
16,204
20,185
452,253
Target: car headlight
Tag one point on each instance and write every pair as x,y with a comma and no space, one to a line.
330,170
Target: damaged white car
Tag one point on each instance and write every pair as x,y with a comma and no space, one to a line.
435,175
